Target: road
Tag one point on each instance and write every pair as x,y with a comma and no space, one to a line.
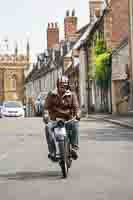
103,171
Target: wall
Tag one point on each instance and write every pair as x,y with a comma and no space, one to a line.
120,21
120,60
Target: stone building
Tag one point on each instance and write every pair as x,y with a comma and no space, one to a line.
43,77
12,75
75,66
50,63
44,74
81,53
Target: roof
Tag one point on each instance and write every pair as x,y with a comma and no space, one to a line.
122,44
44,62
76,61
83,29
82,39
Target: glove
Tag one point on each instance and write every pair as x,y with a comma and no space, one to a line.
78,116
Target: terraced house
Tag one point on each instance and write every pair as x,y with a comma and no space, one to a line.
50,63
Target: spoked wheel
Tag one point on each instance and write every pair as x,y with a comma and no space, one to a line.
64,158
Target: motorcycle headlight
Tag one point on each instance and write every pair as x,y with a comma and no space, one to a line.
60,124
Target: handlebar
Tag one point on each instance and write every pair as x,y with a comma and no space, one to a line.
68,121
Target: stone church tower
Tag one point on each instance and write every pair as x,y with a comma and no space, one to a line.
12,68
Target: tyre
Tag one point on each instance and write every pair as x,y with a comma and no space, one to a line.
63,160
69,159
64,169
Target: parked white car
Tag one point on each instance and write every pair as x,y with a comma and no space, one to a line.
12,109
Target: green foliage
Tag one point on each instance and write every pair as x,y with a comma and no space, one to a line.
102,66
100,47
102,61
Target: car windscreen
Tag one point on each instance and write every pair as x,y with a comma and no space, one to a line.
12,105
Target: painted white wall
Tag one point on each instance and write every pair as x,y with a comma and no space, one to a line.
48,82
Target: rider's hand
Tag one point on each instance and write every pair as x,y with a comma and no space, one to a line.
46,120
46,117
78,116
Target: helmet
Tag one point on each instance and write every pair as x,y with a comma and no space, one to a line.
63,80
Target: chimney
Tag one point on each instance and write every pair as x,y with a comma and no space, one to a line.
70,25
96,7
28,50
16,49
52,35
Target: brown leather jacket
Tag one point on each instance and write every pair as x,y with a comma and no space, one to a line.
64,107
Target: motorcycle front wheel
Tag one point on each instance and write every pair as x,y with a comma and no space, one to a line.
64,157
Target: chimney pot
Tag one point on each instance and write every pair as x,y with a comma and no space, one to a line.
67,13
97,12
96,7
52,25
56,25
73,12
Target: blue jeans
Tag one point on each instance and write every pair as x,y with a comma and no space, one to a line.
74,136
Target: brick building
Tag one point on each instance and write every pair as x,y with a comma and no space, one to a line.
120,25
120,57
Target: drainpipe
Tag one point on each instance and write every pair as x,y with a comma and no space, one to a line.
111,86
87,78
131,48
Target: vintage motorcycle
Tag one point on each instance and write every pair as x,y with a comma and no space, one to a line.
62,143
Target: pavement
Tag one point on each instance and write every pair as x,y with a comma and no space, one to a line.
102,172
125,120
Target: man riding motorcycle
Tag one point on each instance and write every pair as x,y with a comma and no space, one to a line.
62,103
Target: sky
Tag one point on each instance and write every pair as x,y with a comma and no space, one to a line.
27,19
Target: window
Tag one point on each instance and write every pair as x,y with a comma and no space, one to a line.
14,82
